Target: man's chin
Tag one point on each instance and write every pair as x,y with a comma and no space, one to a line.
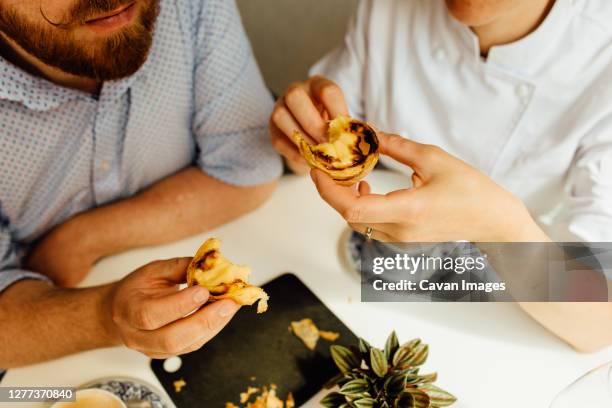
102,70
118,54
99,58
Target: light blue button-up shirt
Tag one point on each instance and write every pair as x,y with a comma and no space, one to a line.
199,98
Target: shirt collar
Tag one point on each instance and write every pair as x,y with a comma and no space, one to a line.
34,92
528,54
39,94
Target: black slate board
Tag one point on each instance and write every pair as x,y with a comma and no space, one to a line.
260,346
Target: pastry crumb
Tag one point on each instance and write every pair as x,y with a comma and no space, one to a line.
178,385
329,335
308,332
290,403
267,398
244,396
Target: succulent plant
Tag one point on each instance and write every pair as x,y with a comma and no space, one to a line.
389,378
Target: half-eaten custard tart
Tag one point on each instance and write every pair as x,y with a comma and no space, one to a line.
224,279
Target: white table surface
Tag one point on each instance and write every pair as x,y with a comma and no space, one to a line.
488,355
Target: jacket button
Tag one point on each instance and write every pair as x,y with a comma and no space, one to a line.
523,91
440,54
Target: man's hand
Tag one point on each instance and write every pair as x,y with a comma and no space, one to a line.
146,311
305,107
65,254
150,314
449,201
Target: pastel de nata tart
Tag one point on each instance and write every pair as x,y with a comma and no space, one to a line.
224,279
349,155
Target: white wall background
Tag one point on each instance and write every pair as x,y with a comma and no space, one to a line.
288,36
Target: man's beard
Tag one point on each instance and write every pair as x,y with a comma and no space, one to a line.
116,56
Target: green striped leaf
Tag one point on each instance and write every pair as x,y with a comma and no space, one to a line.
395,384
419,379
417,356
408,370
403,401
412,343
365,403
379,362
401,356
438,396
364,346
391,346
418,398
335,380
333,400
411,356
364,350
429,378
354,387
344,358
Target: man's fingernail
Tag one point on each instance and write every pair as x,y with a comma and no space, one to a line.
227,309
200,295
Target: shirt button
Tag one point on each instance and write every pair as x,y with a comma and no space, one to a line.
523,91
440,54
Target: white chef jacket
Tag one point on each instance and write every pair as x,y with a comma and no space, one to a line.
536,116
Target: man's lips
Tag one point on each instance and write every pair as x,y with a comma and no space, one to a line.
115,18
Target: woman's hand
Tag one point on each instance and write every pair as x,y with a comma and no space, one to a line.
305,107
449,201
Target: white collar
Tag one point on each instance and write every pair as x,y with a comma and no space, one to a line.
527,55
